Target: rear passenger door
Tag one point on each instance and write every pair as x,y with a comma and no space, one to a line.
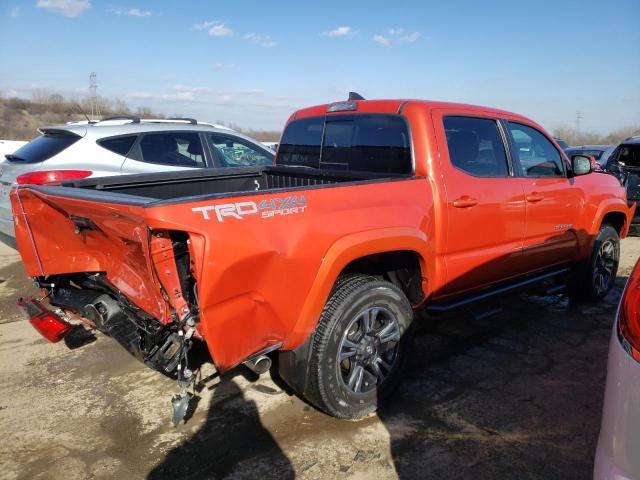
484,202
165,151
552,199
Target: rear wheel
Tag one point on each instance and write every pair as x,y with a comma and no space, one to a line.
359,347
593,279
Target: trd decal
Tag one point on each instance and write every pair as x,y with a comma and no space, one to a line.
266,208
563,226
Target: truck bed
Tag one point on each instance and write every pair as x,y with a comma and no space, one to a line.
166,188
253,256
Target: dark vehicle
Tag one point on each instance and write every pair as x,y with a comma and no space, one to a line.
564,145
624,163
602,153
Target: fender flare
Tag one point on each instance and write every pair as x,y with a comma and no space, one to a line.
612,205
338,256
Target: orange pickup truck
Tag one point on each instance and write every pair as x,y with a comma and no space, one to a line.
372,210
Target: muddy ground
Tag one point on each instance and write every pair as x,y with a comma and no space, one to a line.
516,395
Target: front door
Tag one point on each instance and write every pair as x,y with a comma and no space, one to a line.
551,202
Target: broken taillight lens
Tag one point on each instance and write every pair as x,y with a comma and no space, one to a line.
49,177
629,316
47,323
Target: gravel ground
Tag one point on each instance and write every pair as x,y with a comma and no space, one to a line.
515,395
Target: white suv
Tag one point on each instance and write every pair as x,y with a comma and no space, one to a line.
122,145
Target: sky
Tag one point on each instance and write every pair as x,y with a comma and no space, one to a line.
252,63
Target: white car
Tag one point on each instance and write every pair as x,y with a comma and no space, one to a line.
618,453
122,145
9,146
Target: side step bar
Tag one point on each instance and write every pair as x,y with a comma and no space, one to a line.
439,307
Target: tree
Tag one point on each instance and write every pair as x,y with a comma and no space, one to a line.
575,137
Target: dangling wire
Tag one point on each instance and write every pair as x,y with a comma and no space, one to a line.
183,358
181,401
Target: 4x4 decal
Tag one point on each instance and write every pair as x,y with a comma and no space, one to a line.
266,208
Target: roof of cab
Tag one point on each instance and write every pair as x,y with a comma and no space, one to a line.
393,106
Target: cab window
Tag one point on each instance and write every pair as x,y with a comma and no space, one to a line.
534,153
475,146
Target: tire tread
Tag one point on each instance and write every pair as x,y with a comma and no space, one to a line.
578,285
345,288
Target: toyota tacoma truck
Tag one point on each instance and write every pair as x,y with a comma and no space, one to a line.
373,209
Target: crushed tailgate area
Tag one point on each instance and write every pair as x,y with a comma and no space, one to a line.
514,395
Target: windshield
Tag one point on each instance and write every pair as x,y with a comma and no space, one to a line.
629,156
43,147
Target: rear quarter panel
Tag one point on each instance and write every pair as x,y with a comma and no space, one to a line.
263,281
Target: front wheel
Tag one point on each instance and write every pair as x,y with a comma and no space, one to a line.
596,276
359,347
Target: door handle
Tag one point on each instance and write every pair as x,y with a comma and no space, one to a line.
534,197
465,201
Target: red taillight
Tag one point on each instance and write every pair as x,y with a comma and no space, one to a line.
47,323
629,317
51,176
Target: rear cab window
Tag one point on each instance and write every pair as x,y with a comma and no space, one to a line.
42,148
378,143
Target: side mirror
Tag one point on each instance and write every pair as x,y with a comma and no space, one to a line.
582,164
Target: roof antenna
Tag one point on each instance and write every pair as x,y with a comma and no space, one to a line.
355,96
82,112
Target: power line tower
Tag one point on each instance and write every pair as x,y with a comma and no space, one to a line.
93,92
578,120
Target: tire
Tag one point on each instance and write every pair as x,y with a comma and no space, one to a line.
594,278
367,321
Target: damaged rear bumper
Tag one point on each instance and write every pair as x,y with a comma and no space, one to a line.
47,323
